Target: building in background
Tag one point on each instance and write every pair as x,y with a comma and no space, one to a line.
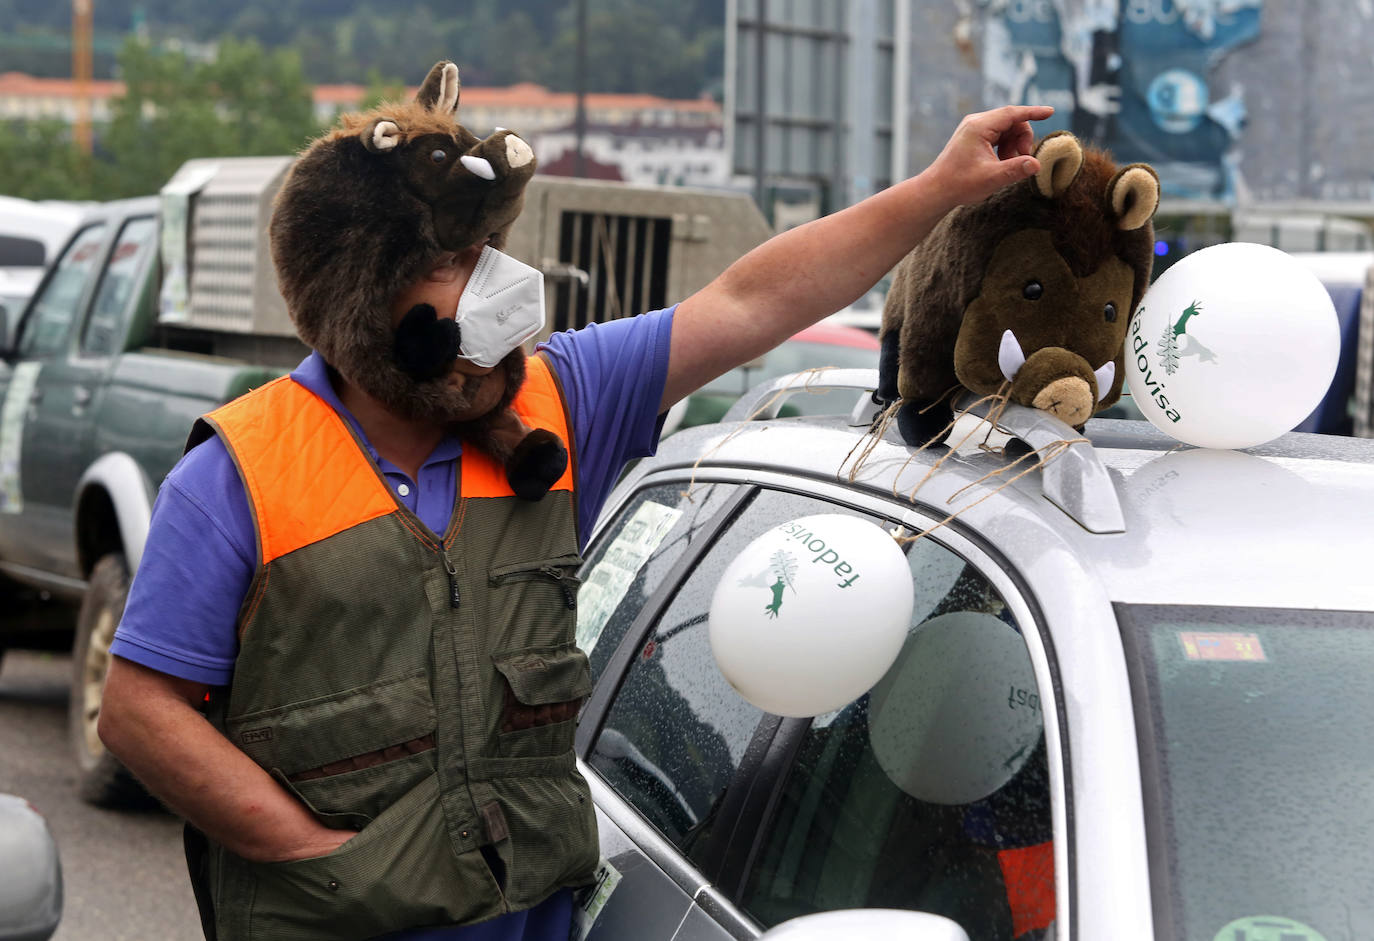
1235,102
816,100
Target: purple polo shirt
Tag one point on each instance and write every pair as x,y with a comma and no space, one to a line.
201,553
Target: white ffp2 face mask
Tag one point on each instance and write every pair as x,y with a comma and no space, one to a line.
501,307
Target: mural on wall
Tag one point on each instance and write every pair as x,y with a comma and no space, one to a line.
1130,75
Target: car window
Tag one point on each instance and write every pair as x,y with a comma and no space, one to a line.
117,284
50,321
931,791
17,251
1256,740
677,732
637,551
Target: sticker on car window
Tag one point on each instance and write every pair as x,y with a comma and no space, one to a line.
593,899
604,587
1267,928
12,414
1200,645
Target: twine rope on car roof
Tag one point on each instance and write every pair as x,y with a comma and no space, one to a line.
1000,399
811,375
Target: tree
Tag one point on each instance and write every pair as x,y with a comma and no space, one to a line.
244,102
41,161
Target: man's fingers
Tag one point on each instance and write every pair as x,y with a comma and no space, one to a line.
1016,142
992,125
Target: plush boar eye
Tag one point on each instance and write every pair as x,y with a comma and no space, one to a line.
1109,312
438,156
1032,290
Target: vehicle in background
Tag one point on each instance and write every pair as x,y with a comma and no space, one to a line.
31,887
1122,705
819,346
31,234
1347,408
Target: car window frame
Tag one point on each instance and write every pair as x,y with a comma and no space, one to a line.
109,225
750,800
120,225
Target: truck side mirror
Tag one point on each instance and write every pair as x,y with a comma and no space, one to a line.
31,892
868,924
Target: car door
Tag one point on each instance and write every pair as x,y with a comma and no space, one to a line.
69,389
634,565
778,818
27,447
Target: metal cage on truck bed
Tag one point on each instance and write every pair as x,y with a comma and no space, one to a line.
607,250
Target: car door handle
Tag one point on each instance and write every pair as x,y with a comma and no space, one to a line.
81,395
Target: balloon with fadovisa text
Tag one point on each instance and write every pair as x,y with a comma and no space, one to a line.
1232,346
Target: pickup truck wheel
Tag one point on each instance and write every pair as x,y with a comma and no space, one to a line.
102,780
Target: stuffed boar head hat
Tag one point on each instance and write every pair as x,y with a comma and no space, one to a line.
373,206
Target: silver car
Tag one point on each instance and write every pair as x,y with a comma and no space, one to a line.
1177,742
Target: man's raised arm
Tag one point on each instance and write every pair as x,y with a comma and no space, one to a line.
801,275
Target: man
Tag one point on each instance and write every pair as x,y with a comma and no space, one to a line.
480,825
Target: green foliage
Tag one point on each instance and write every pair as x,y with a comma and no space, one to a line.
247,101
42,162
381,89
673,48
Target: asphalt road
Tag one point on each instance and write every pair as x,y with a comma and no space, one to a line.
123,873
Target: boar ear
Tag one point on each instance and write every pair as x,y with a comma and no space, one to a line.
1134,195
381,135
439,93
1061,157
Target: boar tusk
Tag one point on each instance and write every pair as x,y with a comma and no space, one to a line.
1010,357
479,166
1105,376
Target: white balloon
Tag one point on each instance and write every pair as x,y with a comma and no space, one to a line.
811,614
1232,346
959,712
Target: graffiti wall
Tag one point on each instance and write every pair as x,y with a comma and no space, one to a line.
1136,76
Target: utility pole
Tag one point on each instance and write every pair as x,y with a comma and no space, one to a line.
580,121
81,71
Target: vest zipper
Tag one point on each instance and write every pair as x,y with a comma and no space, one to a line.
453,596
560,578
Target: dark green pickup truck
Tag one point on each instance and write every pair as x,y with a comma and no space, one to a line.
95,405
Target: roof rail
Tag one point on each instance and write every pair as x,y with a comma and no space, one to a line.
766,399
1075,481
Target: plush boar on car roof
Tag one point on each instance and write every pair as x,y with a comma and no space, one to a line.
369,209
1032,289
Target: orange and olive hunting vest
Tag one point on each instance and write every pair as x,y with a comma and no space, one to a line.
419,688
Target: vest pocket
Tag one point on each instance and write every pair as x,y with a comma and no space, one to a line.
348,754
534,602
353,799
400,871
543,689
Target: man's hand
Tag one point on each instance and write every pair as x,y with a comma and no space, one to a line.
323,843
149,720
987,151
799,276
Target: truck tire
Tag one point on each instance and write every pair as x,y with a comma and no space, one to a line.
101,779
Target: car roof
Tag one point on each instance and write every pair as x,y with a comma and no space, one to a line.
1149,520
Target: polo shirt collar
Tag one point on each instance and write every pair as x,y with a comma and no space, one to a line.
313,373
